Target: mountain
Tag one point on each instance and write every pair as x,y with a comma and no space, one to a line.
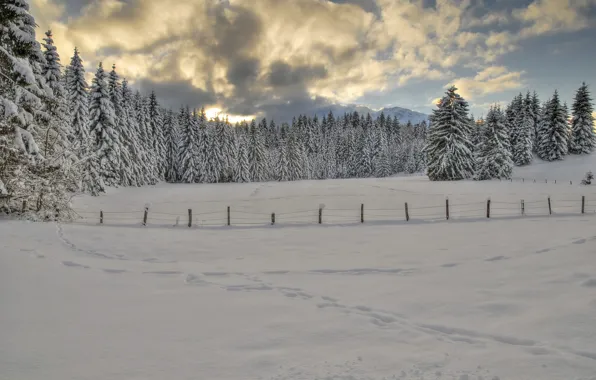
403,114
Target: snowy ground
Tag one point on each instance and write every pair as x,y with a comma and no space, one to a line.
513,298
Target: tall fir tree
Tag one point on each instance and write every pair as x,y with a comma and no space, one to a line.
106,144
583,138
23,92
57,137
172,137
242,172
554,133
78,102
524,134
449,148
126,172
187,149
494,159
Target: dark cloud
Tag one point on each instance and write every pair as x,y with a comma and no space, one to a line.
175,94
243,72
281,74
368,5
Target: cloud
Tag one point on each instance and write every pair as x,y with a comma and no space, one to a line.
549,16
257,57
493,79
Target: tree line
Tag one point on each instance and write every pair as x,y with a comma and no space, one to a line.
460,147
59,136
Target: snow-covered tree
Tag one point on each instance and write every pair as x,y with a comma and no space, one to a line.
283,173
256,155
102,125
493,156
78,103
582,139
449,148
553,132
172,140
242,173
524,134
187,149
24,96
127,172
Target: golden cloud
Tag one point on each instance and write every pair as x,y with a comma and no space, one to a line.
493,79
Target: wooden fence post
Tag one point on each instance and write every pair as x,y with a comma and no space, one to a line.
145,216
362,213
229,216
320,215
523,207
447,208
550,209
24,207
189,218
488,208
273,219
583,204
100,217
407,213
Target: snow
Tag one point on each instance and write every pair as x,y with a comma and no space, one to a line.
505,298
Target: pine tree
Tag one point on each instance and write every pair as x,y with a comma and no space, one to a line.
242,166
158,148
130,137
102,126
257,157
449,147
199,123
554,133
524,129
283,173
494,157
582,139
25,174
56,138
126,172
172,137
187,150
78,103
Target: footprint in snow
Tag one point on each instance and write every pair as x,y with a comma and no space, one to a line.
74,265
496,258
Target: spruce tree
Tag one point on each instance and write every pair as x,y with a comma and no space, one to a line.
126,172
554,133
78,103
22,91
187,150
283,173
582,139
106,144
57,137
524,130
494,157
257,157
130,137
242,172
172,138
449,147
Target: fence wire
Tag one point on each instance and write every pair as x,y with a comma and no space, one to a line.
244,216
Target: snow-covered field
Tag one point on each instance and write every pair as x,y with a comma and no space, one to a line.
468,299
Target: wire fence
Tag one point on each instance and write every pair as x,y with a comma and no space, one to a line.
408,212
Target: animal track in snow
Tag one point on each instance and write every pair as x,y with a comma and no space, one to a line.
74,265
496,258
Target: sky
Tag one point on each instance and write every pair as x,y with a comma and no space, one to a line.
274,58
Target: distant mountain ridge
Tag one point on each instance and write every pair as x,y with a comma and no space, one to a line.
403,114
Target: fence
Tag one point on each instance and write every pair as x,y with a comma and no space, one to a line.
357,215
